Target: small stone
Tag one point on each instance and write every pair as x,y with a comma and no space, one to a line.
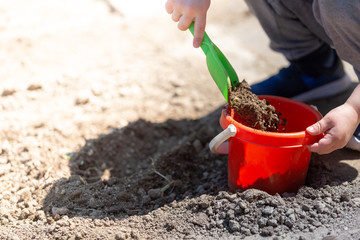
204,201
245,225
276,201
254,230
272,223
316,223
155,193
328,200
231,214
8,92
289,212
59,211
120,236
261,222
313,214
238,210
33,87
292,217
289,221
234,225
252,194
57,217
320,207
81,100
246,231
76,194
231,197
301,226
345,197
242,205
356,202
201,219
217,205
197,145
24,213
268,210
267,232
222,215
210,211
219,223
222,195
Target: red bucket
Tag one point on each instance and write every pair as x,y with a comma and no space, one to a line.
275,162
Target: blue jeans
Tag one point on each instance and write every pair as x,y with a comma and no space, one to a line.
297,28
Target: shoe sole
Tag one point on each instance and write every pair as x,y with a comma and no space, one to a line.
353,144
327,90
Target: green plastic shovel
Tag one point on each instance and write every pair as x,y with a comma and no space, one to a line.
219,67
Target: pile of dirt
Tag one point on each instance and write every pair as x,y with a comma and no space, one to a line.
253,112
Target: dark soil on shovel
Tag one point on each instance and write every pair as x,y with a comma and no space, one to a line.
253,112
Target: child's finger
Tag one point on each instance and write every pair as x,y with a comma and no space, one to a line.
324,146
318,128
199,30
184,22
169,6
176,15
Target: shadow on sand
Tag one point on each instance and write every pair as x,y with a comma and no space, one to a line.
141,167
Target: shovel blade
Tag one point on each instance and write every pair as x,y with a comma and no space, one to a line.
219,67
218,74
230,71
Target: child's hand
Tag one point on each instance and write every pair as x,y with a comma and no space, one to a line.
338,125
187,11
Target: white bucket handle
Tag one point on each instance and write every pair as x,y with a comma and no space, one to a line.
217,144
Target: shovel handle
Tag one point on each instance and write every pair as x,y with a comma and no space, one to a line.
206,40
216,144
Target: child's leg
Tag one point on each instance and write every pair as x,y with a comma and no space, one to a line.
290,25
298,28
315,70
303,31
341,21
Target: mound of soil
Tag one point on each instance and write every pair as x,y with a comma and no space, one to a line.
254,112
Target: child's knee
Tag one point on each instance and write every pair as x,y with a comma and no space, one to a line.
334,11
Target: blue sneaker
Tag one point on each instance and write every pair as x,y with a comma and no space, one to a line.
290,82
319,74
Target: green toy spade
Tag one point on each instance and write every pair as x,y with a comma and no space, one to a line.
219,67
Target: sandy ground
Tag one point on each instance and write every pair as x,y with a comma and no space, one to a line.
106,113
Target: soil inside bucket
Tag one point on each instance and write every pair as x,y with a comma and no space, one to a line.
252,111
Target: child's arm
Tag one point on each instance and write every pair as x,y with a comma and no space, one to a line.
338,125
187,11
